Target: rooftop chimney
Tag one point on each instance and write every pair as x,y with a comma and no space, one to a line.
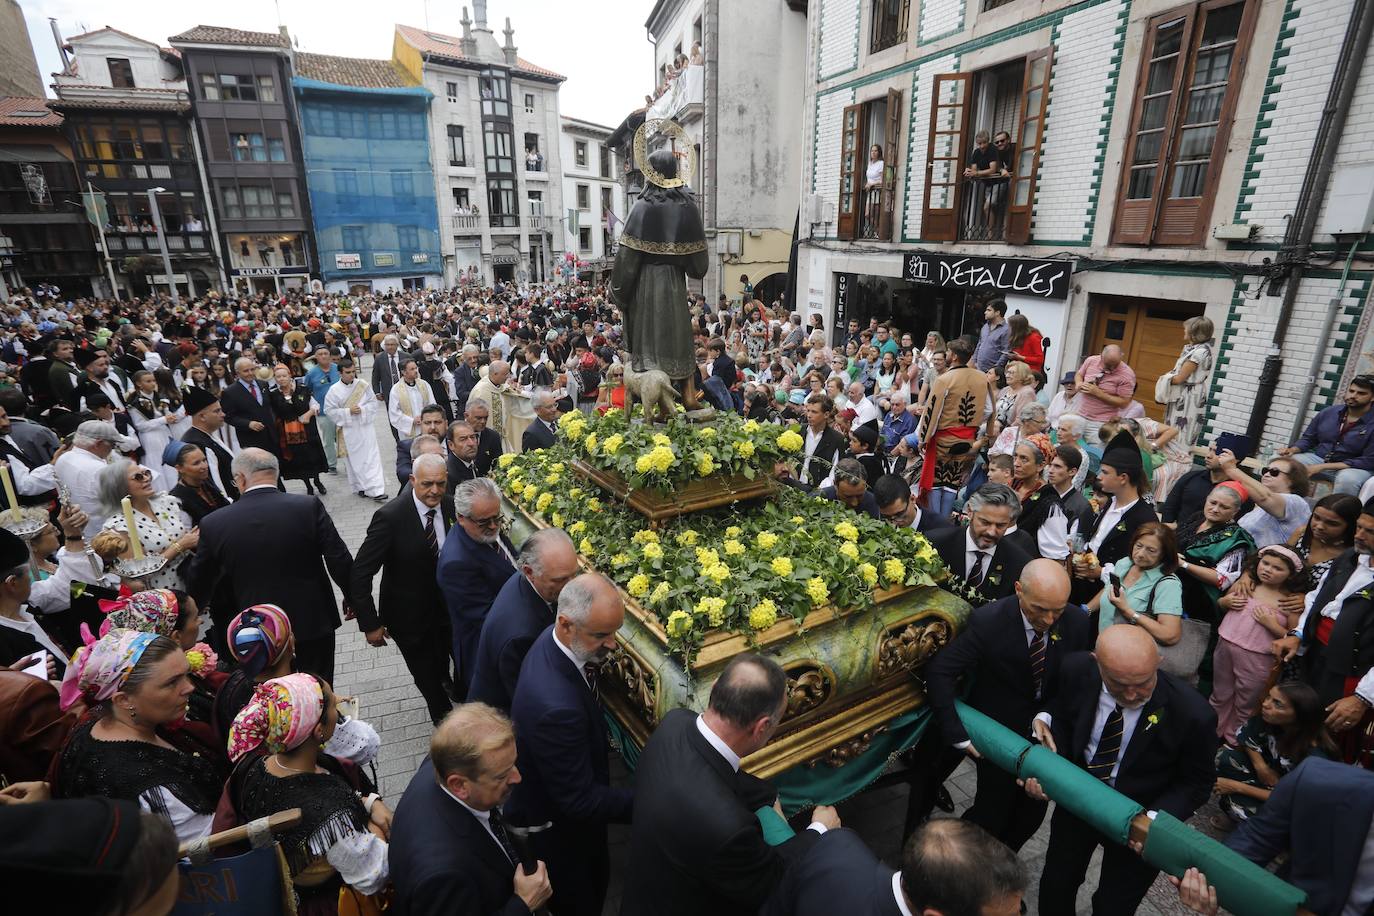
61,45
509,46
479,12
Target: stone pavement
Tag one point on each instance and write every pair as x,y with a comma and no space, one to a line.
389,701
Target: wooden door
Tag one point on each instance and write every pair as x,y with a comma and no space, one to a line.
1149,331
1035,95
949,115
890,153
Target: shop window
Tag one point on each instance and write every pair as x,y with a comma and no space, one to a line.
584,197
1185,97
986,130
121,74
867,198
889,24
457,149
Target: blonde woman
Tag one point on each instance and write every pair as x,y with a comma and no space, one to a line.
1188,383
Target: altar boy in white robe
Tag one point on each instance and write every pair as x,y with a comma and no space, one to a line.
352,406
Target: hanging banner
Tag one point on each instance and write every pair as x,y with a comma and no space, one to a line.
844,288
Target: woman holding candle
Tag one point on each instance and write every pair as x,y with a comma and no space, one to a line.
155,522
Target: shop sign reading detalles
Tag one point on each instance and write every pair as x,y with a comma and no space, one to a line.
1041,279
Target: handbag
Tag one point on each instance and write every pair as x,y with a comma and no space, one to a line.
1183,658
1164,388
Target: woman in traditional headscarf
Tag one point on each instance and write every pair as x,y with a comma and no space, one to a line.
261,645
136,685
277,742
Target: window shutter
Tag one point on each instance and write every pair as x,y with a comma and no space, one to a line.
1168,37
1205,109
851,178
1035,94
886,222
949,113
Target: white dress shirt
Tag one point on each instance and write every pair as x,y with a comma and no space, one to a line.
439,532
25,623
897,892
813,442
579,665
971,552
483,818
865,411
79,470
1361,576
1109,519
1105,704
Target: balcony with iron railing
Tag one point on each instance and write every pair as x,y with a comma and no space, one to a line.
983,209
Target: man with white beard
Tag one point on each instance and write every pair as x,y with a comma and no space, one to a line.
352,409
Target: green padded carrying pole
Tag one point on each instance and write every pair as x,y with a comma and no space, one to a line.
1243,887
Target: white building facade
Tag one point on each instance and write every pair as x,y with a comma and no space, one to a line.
1156,156
595,197
494,128
742,111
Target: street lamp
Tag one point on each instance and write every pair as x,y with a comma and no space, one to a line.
162,243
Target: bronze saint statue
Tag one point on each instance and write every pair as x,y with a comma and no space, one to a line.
663,241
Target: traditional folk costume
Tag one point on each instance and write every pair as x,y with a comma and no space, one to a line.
357,440
331,853
960,402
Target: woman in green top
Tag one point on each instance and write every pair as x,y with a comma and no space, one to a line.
1212,549
1150,596
1290,727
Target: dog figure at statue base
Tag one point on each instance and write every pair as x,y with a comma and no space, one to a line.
653,389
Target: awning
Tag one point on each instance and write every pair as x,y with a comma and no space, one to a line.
18,152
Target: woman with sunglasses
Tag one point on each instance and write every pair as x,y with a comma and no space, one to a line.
1279,495
162,526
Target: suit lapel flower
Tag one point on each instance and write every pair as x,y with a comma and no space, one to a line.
1152,720
1121,526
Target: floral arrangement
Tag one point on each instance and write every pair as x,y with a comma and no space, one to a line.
734,569
662,457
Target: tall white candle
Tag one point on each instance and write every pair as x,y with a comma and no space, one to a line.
9,490
133,529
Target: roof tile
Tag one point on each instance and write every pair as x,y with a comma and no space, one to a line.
119,105
451,46
219,35
13,112
351,71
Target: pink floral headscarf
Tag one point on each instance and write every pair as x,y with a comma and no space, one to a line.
280,716
99,669
154,610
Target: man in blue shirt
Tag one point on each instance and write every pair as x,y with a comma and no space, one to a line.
1338,444
898,422
992,339
319,380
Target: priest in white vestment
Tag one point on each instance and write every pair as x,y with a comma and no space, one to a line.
408,399
352,406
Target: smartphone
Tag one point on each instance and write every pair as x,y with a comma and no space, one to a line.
39,666
1116,583
1240,445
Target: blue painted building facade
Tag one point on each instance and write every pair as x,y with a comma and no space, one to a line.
365,134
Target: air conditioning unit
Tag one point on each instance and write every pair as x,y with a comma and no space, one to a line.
814,210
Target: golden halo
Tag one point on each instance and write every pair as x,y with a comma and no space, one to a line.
641,150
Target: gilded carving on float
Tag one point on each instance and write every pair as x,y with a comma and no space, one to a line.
809,685
629,676
910,645
842,753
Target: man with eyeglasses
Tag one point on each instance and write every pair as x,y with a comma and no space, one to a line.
1337,445
476,560
851,488
898,509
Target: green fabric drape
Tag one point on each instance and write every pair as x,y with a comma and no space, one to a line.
1090,799
776,830
804,786
1242,886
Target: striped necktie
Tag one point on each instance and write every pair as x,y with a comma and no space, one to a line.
1108,746
431,538
1037,660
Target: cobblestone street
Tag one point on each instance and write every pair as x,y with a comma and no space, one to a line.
388,699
